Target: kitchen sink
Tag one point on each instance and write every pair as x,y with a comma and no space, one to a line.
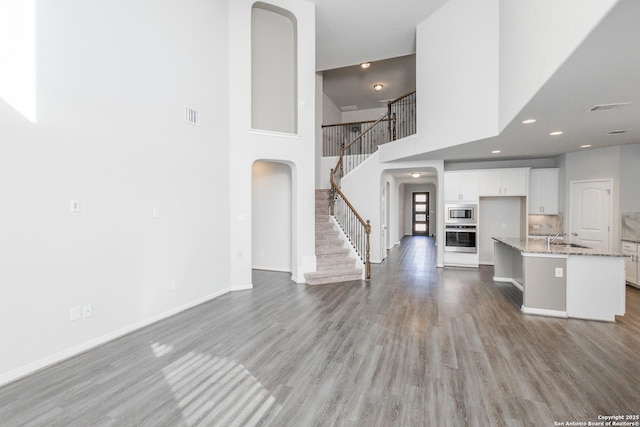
570,245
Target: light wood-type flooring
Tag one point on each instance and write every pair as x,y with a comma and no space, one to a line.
415,346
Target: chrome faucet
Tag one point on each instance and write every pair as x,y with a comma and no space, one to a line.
551,239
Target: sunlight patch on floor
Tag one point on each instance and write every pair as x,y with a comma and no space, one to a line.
226,393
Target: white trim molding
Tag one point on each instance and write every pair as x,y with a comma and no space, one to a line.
544,312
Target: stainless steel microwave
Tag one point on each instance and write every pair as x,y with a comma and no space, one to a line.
460,214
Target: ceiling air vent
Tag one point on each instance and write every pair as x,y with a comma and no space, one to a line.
349,108
605,107
618,132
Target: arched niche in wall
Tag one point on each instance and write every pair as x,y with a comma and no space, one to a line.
273,69
271,216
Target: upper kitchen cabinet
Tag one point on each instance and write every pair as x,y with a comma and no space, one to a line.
543,191
504,182
461,187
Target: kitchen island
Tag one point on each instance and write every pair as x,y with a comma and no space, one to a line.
560,280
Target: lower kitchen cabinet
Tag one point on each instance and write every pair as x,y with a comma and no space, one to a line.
631,263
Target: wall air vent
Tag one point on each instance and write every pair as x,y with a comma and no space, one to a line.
606,107
191,115
349,108
618,132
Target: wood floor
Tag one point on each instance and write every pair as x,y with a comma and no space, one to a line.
415,346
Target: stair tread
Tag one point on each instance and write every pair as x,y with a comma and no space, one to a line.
332,273
331,250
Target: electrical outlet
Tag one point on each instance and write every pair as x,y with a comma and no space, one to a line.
86,310
75,313
559,272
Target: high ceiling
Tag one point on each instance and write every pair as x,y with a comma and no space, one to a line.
603,70
353,86
349,32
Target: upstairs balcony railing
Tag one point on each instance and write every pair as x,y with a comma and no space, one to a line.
400,122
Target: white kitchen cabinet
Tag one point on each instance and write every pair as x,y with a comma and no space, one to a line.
504,182
543,191
461,187
631,264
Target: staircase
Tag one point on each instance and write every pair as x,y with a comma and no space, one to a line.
333,260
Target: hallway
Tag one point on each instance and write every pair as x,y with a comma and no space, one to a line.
414,346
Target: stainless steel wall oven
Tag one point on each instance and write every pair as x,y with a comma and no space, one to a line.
460,238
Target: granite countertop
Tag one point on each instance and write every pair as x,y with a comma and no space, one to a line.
539,246
629,239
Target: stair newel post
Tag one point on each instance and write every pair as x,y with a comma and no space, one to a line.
367,262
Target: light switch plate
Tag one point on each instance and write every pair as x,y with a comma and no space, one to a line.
86,310
75,206
559,272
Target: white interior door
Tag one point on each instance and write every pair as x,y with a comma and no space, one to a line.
591,213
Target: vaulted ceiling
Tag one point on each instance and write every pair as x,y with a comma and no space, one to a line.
603,70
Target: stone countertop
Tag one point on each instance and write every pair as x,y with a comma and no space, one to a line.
625,239
539,246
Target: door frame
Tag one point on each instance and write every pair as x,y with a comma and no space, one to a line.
587,181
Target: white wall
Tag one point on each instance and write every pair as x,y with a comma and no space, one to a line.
479,63
273,84
363,115
271,216
112,82
247,145
498,217
331,114
630,178
363,190
536,37
457,70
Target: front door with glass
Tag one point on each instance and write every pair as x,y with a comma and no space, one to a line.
420,214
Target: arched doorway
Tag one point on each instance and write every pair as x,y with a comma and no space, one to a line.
271,216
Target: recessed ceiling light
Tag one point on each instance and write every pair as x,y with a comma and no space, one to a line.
415,175
378,87
365,65
495,152
585,146
528,121
556,133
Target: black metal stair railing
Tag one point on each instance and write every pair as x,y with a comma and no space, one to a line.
398,122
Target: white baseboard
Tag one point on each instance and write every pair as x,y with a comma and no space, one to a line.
508,280
30,368
544,312
280,270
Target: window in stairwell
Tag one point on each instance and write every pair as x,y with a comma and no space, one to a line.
273,69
